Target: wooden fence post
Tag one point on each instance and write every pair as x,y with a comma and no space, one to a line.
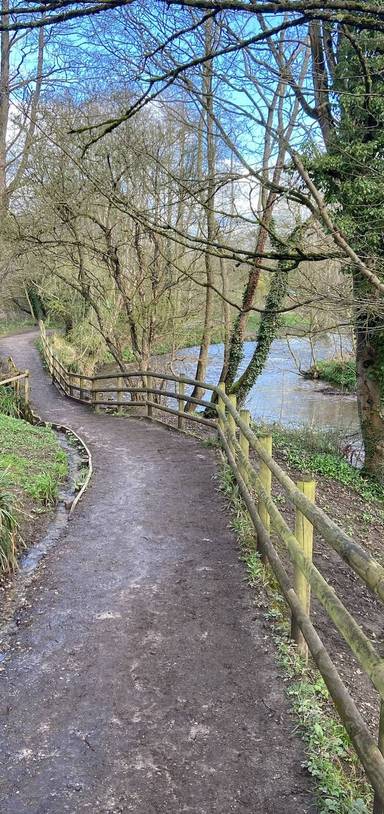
26,387
244,443
265,476
221,407
304,536
378,807
181,406
119,395
231,421
92,393
96,396
149,380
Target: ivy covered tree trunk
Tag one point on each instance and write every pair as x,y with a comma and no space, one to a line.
369,330
236,345
269,326
350,174
35,302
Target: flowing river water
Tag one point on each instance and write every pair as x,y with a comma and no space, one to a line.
281,394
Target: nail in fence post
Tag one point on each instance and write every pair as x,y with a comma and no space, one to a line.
244,443
221,407
304,536
231,421
265,476
378,807
181,406
149,396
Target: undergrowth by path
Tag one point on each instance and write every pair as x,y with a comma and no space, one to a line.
32,465
31,459
319,453
339,780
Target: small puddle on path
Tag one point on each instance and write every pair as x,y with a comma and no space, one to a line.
15,595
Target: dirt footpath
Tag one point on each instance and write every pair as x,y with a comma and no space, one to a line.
141,677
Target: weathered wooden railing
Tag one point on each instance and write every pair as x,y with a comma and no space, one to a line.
18,382
238,439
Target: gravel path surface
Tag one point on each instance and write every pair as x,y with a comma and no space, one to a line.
141,677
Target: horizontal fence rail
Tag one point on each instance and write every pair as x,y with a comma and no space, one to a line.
254,474
18,382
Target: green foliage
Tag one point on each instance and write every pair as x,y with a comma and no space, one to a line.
318,453
32,459
294,320
44,488
351,171
8,403
331,760
11,326
36,302
340,372
213,442
10,539
81,478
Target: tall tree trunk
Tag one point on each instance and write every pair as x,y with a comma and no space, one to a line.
236,350
226,315
270,320
209,212
369,332
4,107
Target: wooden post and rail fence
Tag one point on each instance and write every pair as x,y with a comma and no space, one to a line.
18,382
253,466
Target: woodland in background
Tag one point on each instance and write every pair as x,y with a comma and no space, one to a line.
193,171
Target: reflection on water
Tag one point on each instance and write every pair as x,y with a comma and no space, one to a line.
280,393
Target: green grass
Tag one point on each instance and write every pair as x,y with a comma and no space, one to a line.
32,465
191,338
318,453
339,780
8,402
10,540
339,372
294,320
31,460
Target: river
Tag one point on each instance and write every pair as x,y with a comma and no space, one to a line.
281,394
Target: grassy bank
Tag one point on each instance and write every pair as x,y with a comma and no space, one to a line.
321,453
339,372
32,465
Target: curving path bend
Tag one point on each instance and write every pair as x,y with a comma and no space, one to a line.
142,679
